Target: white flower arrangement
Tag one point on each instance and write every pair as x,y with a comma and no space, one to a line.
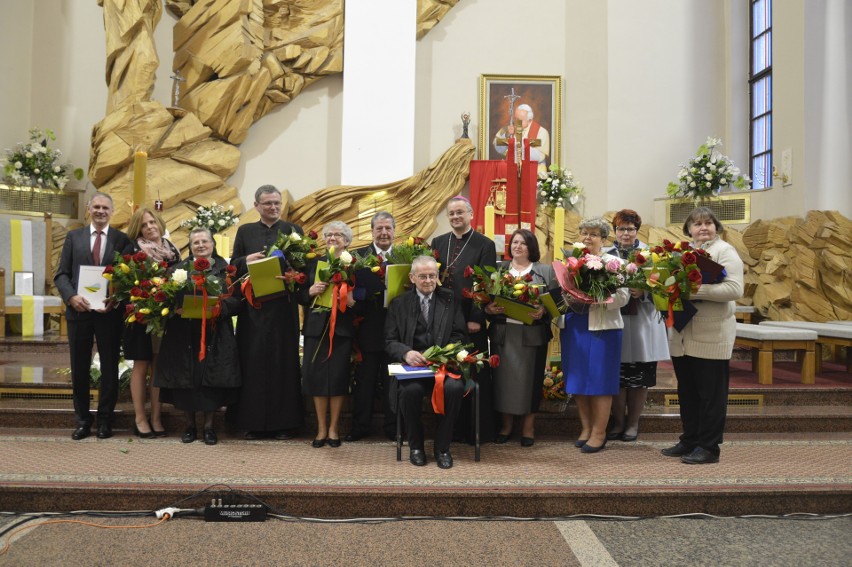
34,164
707,174
557,187
214,218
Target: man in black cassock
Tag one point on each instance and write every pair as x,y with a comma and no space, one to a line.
371,375
458,249
271,402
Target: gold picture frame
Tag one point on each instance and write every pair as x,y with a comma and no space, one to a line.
542,92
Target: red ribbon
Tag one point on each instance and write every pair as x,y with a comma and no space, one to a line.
338,301
438,390
203,352
675,294
248,293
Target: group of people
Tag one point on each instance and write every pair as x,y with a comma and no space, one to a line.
609,350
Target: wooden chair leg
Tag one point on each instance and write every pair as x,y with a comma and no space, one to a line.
818,352
398,422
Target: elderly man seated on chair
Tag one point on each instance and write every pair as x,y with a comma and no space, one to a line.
425,316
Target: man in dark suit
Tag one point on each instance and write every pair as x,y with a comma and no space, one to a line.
423,317
93,245
458,249
372,373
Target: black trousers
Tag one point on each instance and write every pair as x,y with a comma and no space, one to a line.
105,328
372,371
702,389
412,393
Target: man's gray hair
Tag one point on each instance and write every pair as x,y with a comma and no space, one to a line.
423,261
264,189
382,215
100,194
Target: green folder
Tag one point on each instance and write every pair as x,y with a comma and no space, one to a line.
516,310
263,277
396,278
325,299
192,305
550,302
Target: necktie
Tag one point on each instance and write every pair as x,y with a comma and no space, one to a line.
96,249
424,308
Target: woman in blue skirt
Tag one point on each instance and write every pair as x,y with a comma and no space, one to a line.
591,349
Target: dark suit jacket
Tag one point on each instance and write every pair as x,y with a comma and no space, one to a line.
448,324
371,331
77,252
479,251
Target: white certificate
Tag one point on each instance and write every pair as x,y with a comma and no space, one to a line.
24,283
92,285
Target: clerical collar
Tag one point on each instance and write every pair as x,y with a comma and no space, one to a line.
465,235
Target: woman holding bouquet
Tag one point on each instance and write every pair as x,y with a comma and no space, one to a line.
146,231
326,365
188,383
591,346
522,348
644,341
701,352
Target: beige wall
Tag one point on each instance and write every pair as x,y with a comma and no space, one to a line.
644,84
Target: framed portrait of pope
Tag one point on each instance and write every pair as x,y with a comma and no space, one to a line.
533,101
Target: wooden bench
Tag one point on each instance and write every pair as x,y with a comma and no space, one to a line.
764,341
829,335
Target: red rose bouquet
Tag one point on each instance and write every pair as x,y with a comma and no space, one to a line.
455,362
133,273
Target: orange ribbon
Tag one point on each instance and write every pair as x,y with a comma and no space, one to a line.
339,295
675,294
438,390
248,293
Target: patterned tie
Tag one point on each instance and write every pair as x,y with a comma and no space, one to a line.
96,249
424,308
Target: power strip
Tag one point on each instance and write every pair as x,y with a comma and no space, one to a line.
220,512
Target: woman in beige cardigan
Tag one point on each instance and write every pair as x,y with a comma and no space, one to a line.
701,352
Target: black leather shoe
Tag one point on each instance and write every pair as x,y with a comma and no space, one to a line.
699,456
104,431
586,448
445,459
678,450
190,435
333,442
210,437
284,435
81,432
527,441
579,443
317,443
353,437
500,439
417,457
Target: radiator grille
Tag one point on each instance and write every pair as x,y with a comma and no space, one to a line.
35,202
42,394
753,400
728,208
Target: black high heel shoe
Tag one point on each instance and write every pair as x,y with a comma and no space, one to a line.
147,435
317,443
333,442
500,439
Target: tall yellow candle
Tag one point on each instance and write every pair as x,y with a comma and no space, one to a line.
140,169
489,221
558,232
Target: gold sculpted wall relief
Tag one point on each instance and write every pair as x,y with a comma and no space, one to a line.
236,61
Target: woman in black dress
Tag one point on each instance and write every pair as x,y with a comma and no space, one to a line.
326,376
145,232
191,384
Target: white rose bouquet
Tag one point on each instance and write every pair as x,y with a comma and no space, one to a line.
35,164
214,218
707,174
557,186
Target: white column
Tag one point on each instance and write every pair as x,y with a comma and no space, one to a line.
378,91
